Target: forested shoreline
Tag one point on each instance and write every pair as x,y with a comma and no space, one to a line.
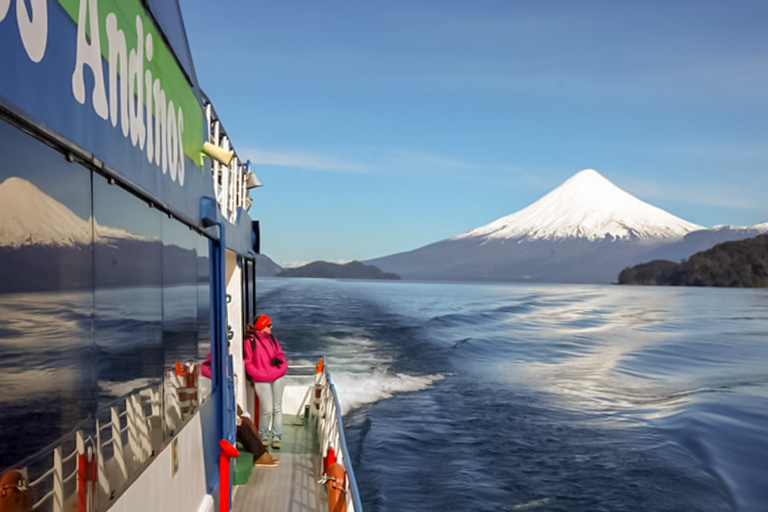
743,263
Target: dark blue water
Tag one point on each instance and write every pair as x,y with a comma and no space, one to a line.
542,397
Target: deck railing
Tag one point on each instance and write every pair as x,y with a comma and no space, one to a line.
229,181
88,469
322,402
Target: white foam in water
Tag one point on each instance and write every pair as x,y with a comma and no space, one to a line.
356,389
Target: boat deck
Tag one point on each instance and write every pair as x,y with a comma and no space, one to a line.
291,486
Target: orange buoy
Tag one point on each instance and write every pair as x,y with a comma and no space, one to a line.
14,493
337,480
319,367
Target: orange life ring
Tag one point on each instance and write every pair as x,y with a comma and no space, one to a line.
337,477
14,493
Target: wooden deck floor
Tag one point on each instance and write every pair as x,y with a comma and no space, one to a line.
291,486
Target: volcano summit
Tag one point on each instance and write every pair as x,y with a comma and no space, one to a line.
584,231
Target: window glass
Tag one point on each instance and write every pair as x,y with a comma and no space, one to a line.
46,296
128,292
180,323
203,311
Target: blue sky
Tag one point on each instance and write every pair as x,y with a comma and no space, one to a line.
380,127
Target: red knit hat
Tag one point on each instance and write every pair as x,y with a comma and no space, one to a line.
262,322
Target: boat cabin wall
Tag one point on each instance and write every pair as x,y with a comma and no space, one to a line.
71,84
235,322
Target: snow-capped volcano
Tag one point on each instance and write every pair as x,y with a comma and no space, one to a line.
28,216
586,206
584,231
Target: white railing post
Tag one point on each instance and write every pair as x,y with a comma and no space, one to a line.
233,189
158,422
90,484
81,471
155,397
101,471
224,183
58,480
241,186
218,180
117,442
142,429
134,441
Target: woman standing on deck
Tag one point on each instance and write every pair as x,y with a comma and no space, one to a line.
265,363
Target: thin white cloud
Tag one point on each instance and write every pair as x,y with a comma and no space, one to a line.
724,152
710,194
377,160
417,162
303,161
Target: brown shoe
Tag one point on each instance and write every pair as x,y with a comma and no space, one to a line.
276,444
265,461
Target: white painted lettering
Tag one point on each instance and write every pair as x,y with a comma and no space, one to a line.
161,153
136,87
117,57
4,6
180,119
134,93
172,138
148,88
34,28
89,54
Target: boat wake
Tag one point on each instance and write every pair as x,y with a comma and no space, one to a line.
357,389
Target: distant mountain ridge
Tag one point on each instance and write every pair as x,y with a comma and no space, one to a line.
324,269
584,231
265,267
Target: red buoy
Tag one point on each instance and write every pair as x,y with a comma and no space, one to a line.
329,459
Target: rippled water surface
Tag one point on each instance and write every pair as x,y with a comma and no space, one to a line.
542,397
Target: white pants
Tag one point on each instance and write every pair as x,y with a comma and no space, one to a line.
270,407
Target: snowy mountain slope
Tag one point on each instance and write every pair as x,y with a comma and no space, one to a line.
585,231
28,217
586,206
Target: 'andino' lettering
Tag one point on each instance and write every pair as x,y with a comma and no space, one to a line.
131,100
136,99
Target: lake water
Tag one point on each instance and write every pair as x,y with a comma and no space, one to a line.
462,397
541,397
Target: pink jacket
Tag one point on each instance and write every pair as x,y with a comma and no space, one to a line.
205,367
258,361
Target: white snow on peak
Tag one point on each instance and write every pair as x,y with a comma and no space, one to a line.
586,206
28,216
762,227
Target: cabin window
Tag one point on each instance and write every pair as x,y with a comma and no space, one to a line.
104,318
47,386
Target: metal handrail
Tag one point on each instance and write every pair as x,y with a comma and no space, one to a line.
42,477
89,440
70,456
342,448
343,445
42,500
